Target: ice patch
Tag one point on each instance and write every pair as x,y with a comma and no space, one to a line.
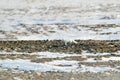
62,66
54,55
27,65
66,12
111,59
63,63
94,69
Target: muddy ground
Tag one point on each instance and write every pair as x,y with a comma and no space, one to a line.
77,46
61,46
23,75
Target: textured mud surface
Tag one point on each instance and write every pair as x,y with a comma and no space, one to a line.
61,46
14,75
66,40
60,60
